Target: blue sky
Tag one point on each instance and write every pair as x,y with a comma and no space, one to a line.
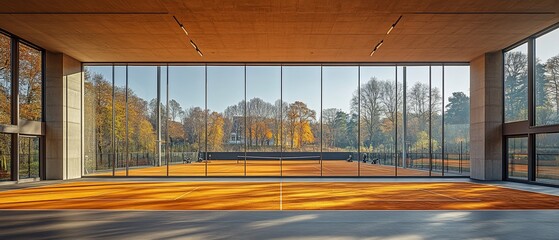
300,83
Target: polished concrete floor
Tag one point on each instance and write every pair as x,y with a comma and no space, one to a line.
89,224
279,224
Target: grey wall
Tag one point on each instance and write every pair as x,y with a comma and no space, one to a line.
486,94
63,118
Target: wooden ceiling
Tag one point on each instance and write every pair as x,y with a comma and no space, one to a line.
276,30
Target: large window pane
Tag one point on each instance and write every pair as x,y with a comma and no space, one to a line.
437,120
517,158
5,157
120,141
226,112
547,79
339,121
416,161
187,121
379,106
516,84
301,130
5,80
457,119
142,111
98,119
29,157
263,120
30,83
547,158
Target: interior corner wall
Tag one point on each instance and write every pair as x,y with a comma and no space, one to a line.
486,120
63,90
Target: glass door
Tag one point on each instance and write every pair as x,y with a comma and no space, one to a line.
29,156
517,158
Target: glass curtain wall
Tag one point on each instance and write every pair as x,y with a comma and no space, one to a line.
21,108
547,79
339,119
547,158
265,120
226,120
187,120
377,106
5,157
30,83
301,87
457,120
531,78
5,79
416,161
516,84
143,114
29,166
517,157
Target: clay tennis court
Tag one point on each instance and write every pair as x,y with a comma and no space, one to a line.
225,168
274,196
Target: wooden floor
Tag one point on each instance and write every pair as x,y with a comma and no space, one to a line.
221,168
274,196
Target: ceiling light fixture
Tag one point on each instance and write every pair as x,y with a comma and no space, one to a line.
193,45
188,36
394,25
181,26
376,47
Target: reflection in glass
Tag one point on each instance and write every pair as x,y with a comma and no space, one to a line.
30,83
516,83
5,157
547,78
5,80
547,158
517,158
28,157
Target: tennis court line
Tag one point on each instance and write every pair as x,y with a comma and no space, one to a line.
440,194
186,193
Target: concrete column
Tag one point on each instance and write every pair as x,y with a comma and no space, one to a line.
486,138
63,105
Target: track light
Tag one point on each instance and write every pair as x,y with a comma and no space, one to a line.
376,47
379,44
191,42
394,25
193,45
181,26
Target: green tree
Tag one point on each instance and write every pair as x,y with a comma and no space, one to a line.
458,109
